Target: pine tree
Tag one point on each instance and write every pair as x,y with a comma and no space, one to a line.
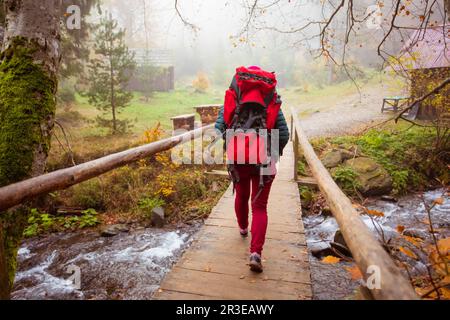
109,72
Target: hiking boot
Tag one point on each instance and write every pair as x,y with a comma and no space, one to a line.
255,263
243,232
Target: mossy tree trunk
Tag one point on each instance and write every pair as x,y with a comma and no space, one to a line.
29,64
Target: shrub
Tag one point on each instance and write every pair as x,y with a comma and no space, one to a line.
146,206
89,194
346,177
201,83
41,222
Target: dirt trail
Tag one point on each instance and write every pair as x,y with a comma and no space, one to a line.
345,115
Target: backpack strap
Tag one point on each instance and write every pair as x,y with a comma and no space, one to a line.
235,87
268,99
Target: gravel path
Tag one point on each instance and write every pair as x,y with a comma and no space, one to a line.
348,114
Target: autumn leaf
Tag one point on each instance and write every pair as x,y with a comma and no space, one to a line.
439,201
375,213
400,229
444,246
446,280
331,260
414,241
354,272
408,252
445,292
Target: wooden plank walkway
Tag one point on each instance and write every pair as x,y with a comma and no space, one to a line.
215,266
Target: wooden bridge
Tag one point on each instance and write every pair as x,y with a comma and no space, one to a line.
214,267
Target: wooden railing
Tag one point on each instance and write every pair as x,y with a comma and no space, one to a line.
17,193
365,248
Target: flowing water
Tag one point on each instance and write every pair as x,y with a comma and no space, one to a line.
132,265
127,266
333,281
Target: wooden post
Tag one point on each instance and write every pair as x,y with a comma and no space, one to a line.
295,154
365,248
19,192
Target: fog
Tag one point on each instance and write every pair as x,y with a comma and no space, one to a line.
214,37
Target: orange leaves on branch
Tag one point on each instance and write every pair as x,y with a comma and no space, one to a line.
439,201
400,229
414,241
330,260
408,252
153,134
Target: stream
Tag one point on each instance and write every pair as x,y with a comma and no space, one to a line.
333,281
128,266
131,265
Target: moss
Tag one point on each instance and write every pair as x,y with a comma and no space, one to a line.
27,105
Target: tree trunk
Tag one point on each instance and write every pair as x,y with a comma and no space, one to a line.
113,100
29,64
113,95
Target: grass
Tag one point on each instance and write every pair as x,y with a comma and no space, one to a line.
160,108
407,153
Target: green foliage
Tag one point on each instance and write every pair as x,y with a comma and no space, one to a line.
345,177
146,205
41,223
301,168
109,73
306,195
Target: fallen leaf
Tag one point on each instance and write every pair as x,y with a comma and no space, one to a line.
208,269
446,280
242,277
354,272
331,260
408,252
444,246
400,228
445,293
375,213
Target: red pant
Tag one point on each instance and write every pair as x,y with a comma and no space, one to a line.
249,176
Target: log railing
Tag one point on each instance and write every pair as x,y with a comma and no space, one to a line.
366,250
19,192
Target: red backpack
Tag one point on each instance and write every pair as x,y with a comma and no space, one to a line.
251,104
